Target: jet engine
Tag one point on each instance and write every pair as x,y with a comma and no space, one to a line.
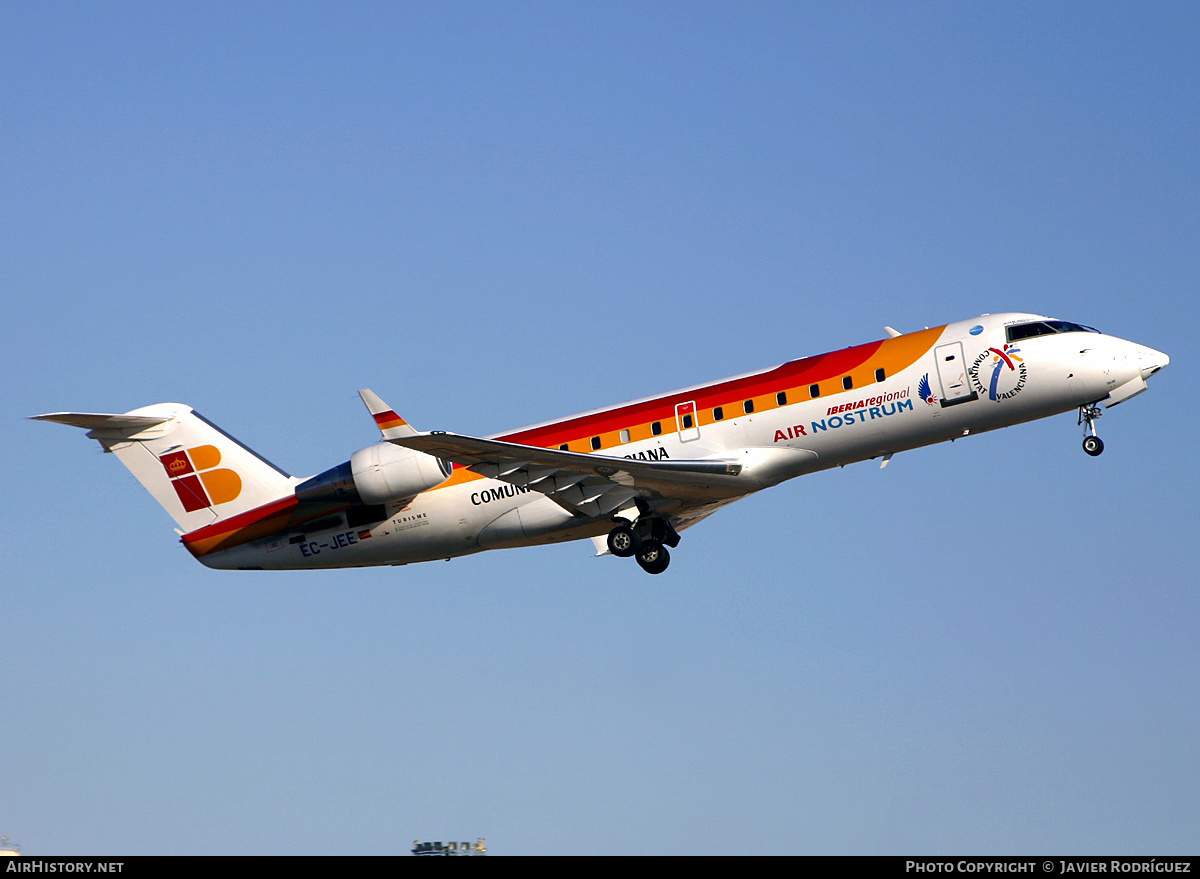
376,475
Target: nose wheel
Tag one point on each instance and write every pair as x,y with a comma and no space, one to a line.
1088,414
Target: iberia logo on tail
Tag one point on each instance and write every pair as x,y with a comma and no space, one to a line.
197,480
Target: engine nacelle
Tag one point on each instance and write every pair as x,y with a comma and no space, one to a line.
386,472
376,475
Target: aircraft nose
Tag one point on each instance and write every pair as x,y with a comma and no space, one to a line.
1151,361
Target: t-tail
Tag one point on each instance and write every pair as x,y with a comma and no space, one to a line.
196,471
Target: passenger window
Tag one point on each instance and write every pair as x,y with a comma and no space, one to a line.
748,406
781,398
814,391
563,447
624,435
847,382
718,414
656,428
880,375
595,442
687,421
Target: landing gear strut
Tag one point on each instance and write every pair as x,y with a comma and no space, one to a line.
647,540
1088,414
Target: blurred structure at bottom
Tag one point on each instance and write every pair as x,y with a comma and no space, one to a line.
448,849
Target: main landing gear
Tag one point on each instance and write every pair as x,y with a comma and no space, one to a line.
1088,414
646,539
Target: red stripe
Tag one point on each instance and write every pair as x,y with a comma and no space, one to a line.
242,520
793,374
388,419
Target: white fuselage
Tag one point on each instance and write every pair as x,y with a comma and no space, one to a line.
969,380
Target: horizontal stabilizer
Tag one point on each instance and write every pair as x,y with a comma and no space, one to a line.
101,420
196,471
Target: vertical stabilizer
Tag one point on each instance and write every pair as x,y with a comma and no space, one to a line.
196,471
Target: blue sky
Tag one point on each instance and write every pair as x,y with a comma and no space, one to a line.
496,214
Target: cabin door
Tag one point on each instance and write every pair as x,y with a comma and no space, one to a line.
952,372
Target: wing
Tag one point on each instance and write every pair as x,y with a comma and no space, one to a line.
590,485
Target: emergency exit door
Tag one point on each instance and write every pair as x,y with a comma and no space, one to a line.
686,421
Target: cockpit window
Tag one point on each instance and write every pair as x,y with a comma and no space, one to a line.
1045,328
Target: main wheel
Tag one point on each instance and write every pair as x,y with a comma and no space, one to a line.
623,541
653,557
1093,445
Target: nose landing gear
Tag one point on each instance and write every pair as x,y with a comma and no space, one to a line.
1088,414
646,539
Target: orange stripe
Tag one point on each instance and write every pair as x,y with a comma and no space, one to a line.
824,370
388,420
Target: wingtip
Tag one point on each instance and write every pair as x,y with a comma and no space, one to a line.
372,401
389,422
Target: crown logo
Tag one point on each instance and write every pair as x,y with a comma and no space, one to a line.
178,465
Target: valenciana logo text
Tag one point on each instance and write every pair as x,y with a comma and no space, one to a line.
999,373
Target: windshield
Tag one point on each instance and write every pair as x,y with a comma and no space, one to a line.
1045,328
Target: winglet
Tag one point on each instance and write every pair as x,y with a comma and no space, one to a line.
390,424
891,332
